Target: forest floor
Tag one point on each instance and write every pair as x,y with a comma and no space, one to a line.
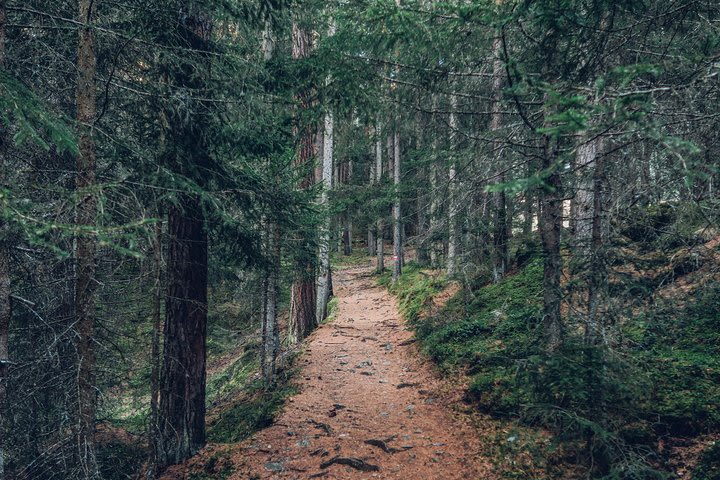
369,405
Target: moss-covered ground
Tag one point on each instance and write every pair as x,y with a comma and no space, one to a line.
609,410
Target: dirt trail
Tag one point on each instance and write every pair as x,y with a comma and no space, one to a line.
361,380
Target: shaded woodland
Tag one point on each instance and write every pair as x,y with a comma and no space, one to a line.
180,181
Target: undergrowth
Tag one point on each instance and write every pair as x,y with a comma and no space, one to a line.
254,410
415,289
606,409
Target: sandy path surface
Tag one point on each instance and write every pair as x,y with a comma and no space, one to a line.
361,380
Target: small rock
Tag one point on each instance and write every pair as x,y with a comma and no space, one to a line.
274,467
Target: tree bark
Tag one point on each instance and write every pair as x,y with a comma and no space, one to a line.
302,303
5,285
155,355
453,206
435,247
501,232
550,229
589,233
270,331
371,246
84,251
182,401
181,412
380,237
582,211
397,225
323,282
423,257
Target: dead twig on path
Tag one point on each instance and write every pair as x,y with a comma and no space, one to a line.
356,463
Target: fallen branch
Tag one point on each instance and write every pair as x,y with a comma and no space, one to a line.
323,426
353,462
382,444
408,385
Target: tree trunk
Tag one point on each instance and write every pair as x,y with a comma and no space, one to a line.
501,232
182,400
550,228
270,331
181,412
423,257
589,233
155,355
85,244
5,286
348,237
302,303
380,237
582,211
371,246
397,225
435,248
271,280
323,282
453,207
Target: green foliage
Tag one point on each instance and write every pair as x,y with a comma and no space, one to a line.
254,410
332,310
605,408
233,378
708,468
680,351
21,108
415,289
493,328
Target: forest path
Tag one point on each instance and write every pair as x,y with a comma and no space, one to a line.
362,379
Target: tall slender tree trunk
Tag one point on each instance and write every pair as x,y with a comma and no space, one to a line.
501,232
550,228
5,286
423,257
270,331
582,211
435,247
85,212
302,302
380,239
397,219
371,246
454,191
323,282
181,412
589,233
271,281
348,236
155,354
